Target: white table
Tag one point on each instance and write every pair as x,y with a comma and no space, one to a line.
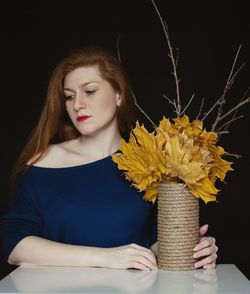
226,278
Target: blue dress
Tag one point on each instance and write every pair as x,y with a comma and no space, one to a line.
90,204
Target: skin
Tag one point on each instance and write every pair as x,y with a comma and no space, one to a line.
86,93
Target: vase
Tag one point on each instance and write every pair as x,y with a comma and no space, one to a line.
178,225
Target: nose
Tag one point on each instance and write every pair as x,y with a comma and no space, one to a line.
79,102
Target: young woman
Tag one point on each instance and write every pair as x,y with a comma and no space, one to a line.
72,206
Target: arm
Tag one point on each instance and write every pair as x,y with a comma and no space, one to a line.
33,250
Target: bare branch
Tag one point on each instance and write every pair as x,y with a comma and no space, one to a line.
233,66
247,100
171,101
174,62
222,132
118,47
206,114
228,85
177,56
224,126
189,102
230,80
200,110
138,106
231,154
236,111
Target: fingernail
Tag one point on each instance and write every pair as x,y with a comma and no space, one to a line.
195,248
195,255
195,265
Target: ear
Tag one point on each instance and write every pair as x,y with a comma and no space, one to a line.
118,99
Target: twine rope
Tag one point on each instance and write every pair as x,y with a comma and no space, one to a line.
178,224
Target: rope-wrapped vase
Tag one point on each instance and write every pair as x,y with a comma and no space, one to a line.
178,225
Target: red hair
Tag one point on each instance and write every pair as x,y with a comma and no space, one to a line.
54,125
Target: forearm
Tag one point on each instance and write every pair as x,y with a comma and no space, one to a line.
38,251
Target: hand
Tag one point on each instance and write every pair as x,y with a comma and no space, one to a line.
205,248
130,256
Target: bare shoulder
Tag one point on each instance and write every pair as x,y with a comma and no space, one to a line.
58,155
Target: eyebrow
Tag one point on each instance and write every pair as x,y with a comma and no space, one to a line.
81,86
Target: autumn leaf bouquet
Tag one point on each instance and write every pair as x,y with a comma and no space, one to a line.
174,152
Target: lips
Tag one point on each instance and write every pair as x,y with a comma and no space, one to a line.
82,118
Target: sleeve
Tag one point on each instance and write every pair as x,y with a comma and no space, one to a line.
22,218
153,225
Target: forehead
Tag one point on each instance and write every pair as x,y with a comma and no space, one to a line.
82,75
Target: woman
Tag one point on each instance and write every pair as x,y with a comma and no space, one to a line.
72,207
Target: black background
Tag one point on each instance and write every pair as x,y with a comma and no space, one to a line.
35,35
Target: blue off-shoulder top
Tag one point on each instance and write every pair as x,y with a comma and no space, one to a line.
90,204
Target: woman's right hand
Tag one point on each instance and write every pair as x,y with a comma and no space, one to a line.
129,256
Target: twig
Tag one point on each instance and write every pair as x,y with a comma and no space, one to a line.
224,126
222,132
231,154
170,101
118,47
247,100
174,62
138,106
199,113
236,111
206,114
229,82
189,102
221,100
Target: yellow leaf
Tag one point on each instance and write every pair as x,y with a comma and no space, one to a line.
151,193
204,189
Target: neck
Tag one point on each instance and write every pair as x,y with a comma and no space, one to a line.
102,144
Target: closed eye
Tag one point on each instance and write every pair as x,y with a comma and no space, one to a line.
89,93
68,97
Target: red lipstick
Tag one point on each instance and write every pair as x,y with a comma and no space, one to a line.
82,118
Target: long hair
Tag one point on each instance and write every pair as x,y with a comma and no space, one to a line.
54,125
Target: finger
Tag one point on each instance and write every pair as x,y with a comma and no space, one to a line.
206,242
210,259
145,261
205,252
146,252
148,257
210,266
203,230
138,265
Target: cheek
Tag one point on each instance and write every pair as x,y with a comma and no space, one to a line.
107,105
